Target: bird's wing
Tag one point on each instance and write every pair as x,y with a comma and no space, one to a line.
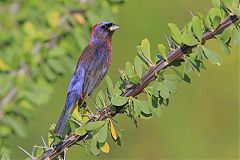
77,80
95,68
94,71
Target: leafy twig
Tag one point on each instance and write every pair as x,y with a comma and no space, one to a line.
136,89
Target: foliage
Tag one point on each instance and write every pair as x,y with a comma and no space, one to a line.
40,41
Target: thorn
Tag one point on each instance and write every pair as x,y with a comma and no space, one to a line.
168,41
191,13
40,147
145,59
33,151
172,44
44,143
26,152
64,154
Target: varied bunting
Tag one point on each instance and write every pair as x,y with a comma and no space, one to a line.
90,70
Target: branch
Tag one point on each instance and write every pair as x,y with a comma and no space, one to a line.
136,89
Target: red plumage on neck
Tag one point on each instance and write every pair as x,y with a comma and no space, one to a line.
93,29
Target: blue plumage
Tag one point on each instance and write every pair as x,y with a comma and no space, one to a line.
90,70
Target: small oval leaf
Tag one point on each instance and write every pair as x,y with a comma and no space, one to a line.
119,100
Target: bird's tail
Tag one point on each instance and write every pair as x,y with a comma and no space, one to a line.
72,98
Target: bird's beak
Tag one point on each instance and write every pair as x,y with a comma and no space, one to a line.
113,28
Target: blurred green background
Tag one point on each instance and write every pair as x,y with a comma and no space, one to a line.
202,120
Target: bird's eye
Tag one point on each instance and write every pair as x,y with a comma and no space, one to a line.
104,27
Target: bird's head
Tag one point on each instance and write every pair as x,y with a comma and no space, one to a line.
103,31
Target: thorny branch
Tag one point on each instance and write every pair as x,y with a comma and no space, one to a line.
136,89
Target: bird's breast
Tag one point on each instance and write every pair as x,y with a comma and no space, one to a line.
104,53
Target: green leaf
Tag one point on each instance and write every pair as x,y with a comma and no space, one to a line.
51,137
94,125
223,47
164,91
145,47
170,85
195,65
145,109
162,50
236,37
182,75
228,3
216,3
173,78
134,79
175,32
117,90
197,25
100,100
236,10
138,105
189,39
216,22
110,84
129,69
187,66
186,78
156,88
81,131
213,18
154,105
138,66
225,36
119,130
119,100
102,134
94,149
212,56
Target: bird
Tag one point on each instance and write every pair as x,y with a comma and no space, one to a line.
91,68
